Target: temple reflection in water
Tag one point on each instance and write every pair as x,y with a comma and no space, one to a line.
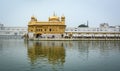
56,55
54,52
51,52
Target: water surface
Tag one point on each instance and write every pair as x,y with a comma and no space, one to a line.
20,55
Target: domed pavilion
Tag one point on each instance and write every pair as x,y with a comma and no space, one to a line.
53,27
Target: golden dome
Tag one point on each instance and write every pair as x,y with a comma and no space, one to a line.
62,16
54,18
32,17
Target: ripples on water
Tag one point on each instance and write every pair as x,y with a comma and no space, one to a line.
20,55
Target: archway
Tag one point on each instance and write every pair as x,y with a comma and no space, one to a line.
38,35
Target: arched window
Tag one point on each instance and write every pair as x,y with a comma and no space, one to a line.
45,29
50,29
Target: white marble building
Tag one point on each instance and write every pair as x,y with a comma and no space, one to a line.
104,30
12,32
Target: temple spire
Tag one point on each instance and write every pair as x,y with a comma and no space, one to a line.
87,23
54,14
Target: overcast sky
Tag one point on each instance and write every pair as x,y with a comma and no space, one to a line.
19,12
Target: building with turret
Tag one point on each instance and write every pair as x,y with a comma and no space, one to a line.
54,27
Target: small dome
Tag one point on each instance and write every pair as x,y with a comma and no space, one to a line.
62,16
32,17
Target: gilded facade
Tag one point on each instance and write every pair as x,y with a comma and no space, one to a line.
54,25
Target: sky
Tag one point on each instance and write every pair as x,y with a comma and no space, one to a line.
18,12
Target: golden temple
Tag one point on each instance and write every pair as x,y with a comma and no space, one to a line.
54,25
